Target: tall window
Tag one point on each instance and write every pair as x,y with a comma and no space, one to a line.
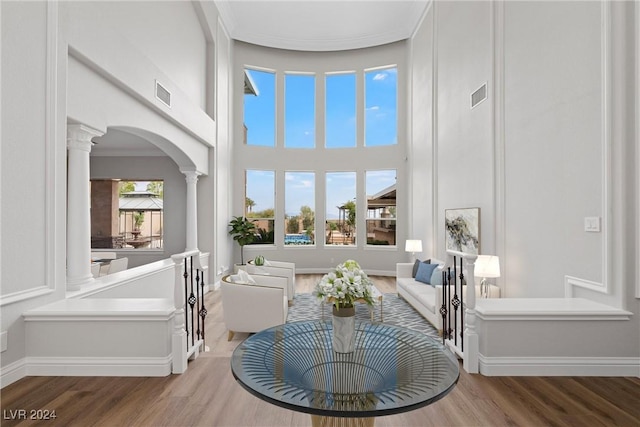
260,202
381,207
341,208
299,205
259,108
340,111
299,111
381,118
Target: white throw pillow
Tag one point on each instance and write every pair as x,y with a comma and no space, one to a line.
243,278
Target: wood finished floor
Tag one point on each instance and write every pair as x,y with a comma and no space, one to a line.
207,395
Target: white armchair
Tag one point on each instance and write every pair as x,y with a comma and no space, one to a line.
254,307
276,268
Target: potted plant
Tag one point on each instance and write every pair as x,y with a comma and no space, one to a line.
243,232
138,219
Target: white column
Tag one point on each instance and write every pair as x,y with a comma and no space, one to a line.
192,209
78,206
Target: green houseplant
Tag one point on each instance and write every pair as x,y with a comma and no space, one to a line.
243,232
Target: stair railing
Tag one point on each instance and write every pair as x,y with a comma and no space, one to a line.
188,337
458,308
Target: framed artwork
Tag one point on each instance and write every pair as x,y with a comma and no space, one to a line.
462,230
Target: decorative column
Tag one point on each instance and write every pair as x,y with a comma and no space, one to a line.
192,209
78,206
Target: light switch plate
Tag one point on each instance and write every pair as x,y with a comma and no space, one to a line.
592,224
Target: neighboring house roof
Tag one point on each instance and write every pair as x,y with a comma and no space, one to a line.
385,197
250,87
140,201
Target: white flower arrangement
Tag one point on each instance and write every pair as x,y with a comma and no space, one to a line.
344,285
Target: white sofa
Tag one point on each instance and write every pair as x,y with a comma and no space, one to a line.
254,307
427,299
276,268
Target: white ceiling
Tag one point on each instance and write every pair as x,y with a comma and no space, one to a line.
320,25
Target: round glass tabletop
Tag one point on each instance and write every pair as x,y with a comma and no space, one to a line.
392,369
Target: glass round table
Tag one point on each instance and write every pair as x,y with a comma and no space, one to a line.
392,370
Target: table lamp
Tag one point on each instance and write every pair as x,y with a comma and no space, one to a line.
413,246
487,267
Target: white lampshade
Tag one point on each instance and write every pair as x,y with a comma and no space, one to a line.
487,266
413,246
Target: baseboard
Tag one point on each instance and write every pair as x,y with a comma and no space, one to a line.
99,366
560,366
13,372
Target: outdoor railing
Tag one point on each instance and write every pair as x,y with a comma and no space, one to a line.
189,323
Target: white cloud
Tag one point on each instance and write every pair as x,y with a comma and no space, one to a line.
373,108
380,76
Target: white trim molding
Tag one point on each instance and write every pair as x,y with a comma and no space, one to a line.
570,282
560,366
99,366
637,114
607,161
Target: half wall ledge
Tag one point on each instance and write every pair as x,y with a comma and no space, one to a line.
555,337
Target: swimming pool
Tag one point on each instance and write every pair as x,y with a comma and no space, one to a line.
297,239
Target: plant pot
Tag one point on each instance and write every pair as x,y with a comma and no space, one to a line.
344,329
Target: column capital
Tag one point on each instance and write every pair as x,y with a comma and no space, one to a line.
191,176
79,137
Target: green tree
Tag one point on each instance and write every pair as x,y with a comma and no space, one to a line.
350,217
249,204
126,187
293,225
156,187
308,218
267,213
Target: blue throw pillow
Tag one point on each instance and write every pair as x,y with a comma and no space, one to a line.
416,264
436,277
424,272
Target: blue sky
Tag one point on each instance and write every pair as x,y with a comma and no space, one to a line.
300,132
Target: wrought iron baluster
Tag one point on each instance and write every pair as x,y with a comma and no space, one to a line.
186,302
192,302
455,301
203,310
462,308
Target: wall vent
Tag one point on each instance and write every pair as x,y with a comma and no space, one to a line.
479,95
163,94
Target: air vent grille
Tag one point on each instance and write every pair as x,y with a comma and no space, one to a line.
479,95
163,94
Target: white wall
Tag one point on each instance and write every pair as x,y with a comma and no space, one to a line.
168,33
421,149
31,237
319,159
553,145
549,147
113,48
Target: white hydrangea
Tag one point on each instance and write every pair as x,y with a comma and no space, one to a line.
344,285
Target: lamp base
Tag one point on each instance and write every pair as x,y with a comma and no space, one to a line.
484,288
